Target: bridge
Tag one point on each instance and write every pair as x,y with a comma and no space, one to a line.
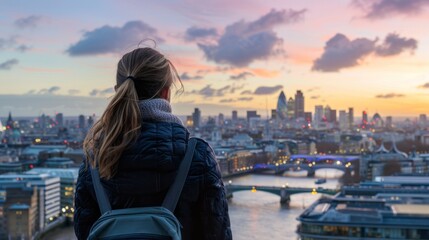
310,168
284,192
310,163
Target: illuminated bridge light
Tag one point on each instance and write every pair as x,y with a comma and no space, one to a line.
314,192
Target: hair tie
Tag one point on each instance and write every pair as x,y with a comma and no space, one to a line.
131,77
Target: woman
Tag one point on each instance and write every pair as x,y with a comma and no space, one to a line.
138,145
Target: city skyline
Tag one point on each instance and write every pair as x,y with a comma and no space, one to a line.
369,55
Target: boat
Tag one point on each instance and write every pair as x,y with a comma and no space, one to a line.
320,181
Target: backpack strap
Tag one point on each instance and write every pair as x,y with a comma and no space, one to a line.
103,201
173,194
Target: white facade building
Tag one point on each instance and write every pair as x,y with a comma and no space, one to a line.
49,192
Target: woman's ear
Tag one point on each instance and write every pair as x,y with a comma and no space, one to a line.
165,93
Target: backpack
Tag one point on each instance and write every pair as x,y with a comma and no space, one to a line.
144,223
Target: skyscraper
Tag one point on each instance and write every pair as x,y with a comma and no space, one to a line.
422,120
81,121
364,118
273,114
343,120
308,117
252,114
318,115
196,118
299,104
327,113
221,119
282,106
351,117
333,116
59,118
234,116
389,122
291,108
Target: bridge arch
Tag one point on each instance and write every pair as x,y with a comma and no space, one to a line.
284,192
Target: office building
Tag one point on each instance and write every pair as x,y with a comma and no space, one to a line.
299,104
252,114
81,121
343,120
68,179
318,115
49,195
389,122
291,108
196,118
59,119
282,107
19,212
351,118
234,116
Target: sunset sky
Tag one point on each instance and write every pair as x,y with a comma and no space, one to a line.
373,55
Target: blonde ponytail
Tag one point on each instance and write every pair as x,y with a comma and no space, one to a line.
116,130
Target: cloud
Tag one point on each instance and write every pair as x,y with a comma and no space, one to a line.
8,64
244,42
230,100
264,90
196,33
208,91
394,44
28,22
377,9
214,69
246,92
12,43
245,98
426,85
390,95
23,48
73,91
49,91
185,76
227,100
315,97
340,53
7,43
101,93
107,39
240,76
313,89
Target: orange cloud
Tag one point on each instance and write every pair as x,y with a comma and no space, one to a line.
264,72
187,64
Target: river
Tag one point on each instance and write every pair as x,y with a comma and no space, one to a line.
259,215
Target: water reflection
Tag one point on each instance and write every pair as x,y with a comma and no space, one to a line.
259,215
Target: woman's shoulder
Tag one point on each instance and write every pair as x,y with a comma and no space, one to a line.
204,155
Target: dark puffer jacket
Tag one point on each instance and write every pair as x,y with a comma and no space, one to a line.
147,169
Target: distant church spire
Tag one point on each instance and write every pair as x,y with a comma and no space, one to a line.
9,122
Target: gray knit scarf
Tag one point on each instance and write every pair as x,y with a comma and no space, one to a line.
157,109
